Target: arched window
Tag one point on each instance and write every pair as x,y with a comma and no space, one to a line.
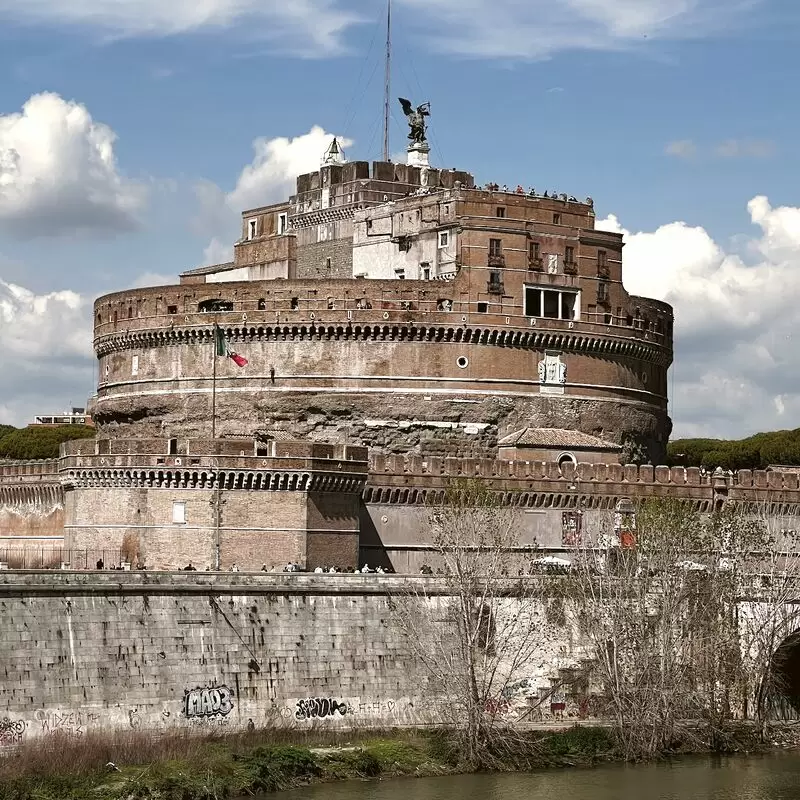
567,458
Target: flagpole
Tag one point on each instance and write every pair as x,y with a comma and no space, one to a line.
214,382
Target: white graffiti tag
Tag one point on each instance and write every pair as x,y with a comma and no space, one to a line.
208,702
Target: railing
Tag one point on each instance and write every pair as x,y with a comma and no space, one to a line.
56,557
496,260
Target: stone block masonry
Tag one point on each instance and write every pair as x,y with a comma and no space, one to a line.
155,651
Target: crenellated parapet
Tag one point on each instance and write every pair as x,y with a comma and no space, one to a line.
416,480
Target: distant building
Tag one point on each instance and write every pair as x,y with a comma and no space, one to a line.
77,416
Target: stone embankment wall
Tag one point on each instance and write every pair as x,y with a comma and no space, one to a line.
31,507
158,651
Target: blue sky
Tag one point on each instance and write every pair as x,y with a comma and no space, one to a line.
664,111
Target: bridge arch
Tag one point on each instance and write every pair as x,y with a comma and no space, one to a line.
779,695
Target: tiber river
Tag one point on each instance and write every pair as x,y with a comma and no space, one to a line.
767,778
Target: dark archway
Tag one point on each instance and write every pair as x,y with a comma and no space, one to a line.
781,689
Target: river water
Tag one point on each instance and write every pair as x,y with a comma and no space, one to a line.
767,778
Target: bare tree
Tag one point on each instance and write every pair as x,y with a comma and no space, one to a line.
657,594
480,626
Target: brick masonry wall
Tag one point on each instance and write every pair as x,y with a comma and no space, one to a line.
256,527
311,259
100,651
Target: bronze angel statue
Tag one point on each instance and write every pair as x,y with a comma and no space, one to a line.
416,119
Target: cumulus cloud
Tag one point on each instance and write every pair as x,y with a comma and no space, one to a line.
737,360
527,29
58,173
46,342
305,27
268,178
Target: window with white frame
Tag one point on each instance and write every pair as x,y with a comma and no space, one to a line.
283,223
178,512
252,228
135,365
444,238
551,303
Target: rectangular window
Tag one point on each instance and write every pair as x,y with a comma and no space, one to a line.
283,223
135,365
533,251
569,255
602,258
252,227
501,212
328,264
444,238
571,528
483,308
556,219
426,273
178,513
495,247
551,303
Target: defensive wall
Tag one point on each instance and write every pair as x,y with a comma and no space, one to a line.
251,503
556,502
31,506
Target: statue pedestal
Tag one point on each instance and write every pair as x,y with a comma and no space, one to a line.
418,154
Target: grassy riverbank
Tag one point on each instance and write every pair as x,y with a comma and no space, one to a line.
192,768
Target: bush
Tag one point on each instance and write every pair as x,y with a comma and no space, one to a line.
274,768
36,442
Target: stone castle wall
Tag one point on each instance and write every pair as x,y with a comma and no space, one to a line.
328,357
31,510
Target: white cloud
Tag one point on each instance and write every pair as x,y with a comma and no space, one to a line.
527,29
745,148
46,347
504,29
305,27
269,178
737,359
58,173
682,148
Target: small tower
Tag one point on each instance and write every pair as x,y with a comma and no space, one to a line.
334,154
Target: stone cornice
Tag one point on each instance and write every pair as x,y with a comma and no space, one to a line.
248,480
533,339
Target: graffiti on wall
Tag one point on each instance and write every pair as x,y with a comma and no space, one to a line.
320,708
11,731
207,701
64,723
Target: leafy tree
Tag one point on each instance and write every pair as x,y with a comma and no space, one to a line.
5,430
38,442
754,452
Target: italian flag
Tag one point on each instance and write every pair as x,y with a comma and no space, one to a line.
222,348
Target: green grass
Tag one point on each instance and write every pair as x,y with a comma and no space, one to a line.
193,768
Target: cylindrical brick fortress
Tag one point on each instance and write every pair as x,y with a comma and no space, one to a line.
398,365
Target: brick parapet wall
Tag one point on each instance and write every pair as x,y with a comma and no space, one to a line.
393,473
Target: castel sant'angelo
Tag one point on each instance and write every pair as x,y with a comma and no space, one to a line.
401,327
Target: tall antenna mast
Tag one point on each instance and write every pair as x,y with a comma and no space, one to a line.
387,80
